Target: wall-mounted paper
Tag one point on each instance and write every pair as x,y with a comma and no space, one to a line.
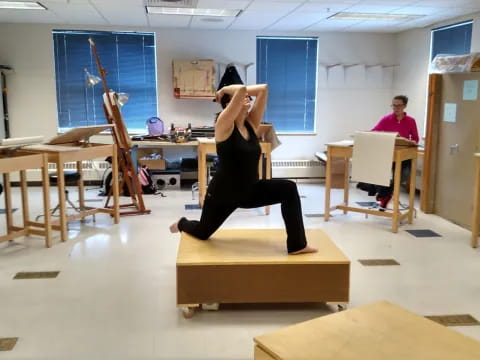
450,113
372,157
470,90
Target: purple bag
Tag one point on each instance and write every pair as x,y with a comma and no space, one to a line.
155,126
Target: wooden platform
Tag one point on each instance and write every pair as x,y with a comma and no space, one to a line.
252,266
377,331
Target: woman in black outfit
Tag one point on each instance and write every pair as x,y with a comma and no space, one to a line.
236,184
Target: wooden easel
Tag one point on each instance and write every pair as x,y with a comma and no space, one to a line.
124,146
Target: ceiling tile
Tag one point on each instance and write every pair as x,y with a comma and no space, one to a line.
175,21
252,20
417,10
271,7
372,9
448,3
222,4
200,22
333,25
79,13
30,16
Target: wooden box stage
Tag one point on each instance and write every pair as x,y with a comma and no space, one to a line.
378,331
252,266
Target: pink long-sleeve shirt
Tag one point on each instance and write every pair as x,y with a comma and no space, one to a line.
407,127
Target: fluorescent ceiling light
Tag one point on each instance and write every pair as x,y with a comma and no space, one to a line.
373,17
192,11
23,5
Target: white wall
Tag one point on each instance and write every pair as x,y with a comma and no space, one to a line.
349,99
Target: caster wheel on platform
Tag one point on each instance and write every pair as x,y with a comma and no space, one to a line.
211,307
188,312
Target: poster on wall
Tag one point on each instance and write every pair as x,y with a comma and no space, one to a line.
194,79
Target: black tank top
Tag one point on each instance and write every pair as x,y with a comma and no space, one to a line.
238,162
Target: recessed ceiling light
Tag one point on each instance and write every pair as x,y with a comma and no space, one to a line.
192,11
373,17
22,5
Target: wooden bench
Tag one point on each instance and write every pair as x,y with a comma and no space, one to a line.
377,331
252,266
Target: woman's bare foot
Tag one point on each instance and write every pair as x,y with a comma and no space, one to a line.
174,227
306,250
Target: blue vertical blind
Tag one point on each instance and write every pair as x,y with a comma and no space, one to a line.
289,67
129,59
454,39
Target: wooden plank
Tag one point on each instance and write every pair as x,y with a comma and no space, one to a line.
476,203
255,246
13,235
431,141
19,161
79,134
377,331
260,354
366,211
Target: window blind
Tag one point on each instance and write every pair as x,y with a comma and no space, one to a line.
129,59
289,67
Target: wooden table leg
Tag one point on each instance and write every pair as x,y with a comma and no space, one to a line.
8,202
24,192
268,173
476,205
115,186
396,195
346,183
46,202
81,187
62,199
411,202
202,174
328,175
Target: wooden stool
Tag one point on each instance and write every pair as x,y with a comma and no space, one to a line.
222,269
377,331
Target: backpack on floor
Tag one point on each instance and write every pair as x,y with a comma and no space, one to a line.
146,181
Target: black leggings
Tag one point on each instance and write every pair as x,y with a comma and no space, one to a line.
218,207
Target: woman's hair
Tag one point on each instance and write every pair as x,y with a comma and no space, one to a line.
225,100
403,98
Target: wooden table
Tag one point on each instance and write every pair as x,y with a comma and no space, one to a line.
401,153
476,202
61,154
253,266
208,146
378,331
11,161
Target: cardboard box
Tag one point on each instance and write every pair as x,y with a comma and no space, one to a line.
152,164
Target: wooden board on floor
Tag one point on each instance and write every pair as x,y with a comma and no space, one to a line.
252,266
377,331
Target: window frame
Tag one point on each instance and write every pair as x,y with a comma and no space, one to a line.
446,27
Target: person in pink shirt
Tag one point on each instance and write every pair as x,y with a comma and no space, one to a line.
398,121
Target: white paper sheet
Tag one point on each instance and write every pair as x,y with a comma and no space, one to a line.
470,90
372,157
450,113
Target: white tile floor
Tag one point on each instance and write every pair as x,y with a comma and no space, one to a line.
115,295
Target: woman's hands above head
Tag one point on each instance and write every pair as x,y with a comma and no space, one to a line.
218,95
